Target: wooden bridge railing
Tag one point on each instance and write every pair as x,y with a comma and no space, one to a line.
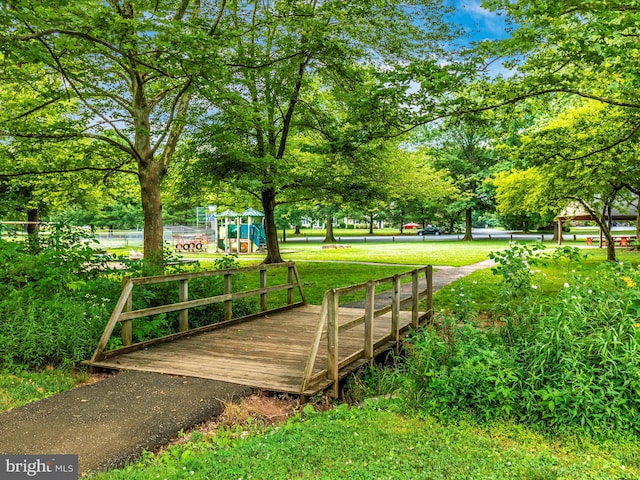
123,312
329,327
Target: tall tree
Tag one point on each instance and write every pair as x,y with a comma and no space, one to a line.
366,50
127,67
578,48
570,158
461,146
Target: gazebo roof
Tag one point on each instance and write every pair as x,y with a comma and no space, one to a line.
576,211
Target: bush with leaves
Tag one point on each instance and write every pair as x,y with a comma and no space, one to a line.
58,297
573,363
55,301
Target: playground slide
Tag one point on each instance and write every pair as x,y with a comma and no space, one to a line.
258,235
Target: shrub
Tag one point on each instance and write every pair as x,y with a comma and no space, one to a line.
58,300
569,363
58,331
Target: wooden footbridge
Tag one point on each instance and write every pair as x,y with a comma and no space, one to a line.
293,347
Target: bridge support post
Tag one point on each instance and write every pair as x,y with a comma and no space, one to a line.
184,297
415,299
429,274
263,284
228,290
395,311
127,325
290,279
369,308
333,368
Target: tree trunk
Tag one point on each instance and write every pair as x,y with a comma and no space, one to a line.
269,207
329,237
557,233
468,225
297,231
635,247
284,234
371,224
151,174
605,230
611,247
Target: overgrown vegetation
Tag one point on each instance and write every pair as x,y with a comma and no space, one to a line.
561,363
60,294
491,390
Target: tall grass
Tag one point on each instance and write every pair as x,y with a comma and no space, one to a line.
565,362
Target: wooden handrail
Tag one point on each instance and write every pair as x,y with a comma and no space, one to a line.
330,317
124,313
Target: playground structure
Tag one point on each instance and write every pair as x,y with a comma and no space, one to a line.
231,232
235,236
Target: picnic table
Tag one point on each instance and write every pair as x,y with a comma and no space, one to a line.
619,240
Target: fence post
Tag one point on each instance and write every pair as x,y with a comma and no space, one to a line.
415,300
184,296
228,304
263,284
127,325
332,343
369,308
395,310
290,279
429,293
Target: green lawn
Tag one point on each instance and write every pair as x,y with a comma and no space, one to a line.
451,253
409,253
370,443
23,387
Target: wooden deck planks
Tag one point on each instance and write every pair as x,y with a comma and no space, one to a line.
269,352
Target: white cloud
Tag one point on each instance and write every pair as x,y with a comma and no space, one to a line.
481,23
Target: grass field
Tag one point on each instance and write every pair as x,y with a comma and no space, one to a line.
372,443
428,253
373,440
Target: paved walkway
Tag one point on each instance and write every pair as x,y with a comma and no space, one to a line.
442,276
111,422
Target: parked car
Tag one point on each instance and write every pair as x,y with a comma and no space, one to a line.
411,225
430,231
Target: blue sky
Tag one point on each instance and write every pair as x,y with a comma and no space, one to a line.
480,24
